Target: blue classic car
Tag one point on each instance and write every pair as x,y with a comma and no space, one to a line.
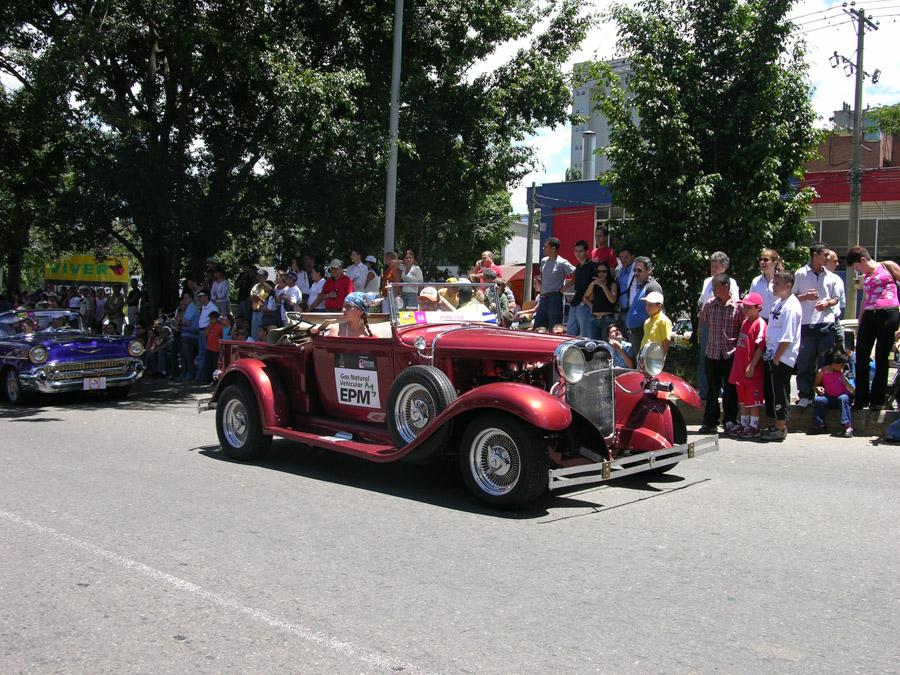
49,350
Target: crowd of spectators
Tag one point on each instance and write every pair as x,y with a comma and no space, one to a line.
786,325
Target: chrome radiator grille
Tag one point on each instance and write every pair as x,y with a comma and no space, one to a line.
593,396
75,370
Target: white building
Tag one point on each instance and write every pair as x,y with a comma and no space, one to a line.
583,145
514,251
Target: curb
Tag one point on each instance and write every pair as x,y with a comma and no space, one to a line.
865,422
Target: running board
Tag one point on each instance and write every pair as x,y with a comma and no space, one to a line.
374,452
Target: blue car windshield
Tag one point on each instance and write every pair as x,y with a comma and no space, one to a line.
31,321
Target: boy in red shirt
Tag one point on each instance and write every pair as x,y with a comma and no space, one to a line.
337,287
213,336
746,370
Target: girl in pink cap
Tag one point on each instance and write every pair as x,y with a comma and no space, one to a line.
746,370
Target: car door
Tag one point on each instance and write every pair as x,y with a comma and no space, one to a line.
353,376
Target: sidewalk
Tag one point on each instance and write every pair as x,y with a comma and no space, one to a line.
865,422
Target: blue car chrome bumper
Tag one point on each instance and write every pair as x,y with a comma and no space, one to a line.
70,376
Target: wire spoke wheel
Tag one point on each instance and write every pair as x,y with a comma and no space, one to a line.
234,423
495,462
415,408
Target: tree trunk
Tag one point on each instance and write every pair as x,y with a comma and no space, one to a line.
19,238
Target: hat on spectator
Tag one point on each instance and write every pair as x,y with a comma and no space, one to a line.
653,296
202,293
752,299
371,259
291,275
210,259
429,293
452,280
336,263
463,281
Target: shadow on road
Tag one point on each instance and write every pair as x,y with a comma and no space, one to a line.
146,394
440,486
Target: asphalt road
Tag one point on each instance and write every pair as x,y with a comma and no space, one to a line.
129,544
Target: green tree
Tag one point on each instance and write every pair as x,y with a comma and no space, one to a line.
887,117
715,124
198,126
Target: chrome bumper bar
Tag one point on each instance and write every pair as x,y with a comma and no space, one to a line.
205,404
48,386
600,472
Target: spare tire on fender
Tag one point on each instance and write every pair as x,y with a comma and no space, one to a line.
416,398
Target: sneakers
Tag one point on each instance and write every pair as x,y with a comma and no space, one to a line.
803,402
749,432
817,429
773,434
732,429
846,432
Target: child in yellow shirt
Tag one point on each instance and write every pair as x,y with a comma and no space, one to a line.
658,327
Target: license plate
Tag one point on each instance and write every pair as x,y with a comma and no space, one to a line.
94,383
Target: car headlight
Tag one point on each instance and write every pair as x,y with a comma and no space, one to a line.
135,347
37,354
570,364
652,359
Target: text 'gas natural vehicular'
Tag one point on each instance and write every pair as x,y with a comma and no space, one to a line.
522,412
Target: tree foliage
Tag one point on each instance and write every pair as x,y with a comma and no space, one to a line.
195,126
714,126
887,117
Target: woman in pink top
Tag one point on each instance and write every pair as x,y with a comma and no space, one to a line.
879,318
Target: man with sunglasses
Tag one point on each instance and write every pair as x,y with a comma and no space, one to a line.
819,292
644,283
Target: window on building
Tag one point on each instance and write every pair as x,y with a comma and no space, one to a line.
888,239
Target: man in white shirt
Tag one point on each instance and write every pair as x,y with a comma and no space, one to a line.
818,291
718,264
290,296
357,271
831,265
205,308
782,349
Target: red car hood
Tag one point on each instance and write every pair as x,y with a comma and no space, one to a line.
486,341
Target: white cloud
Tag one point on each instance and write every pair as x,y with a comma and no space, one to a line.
831,88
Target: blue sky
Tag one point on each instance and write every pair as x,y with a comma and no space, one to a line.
827,32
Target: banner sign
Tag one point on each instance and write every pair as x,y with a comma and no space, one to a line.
87,269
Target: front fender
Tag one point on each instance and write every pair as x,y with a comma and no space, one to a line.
267,388
682,390
532,405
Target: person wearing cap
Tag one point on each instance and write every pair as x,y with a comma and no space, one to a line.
747,370
410,273
373,279
450,294
657,327
429,300
336,287
722,318
291,296
357,271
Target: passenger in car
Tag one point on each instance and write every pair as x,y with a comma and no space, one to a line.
354,322
428,299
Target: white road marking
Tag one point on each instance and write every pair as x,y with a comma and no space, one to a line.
376,659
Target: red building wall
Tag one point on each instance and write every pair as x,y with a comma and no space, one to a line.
571,224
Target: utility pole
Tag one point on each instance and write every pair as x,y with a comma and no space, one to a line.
390,204
856,172
529,245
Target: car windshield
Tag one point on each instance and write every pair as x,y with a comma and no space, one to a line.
442,302
44,322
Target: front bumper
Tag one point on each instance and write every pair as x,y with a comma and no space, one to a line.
47,380
600,472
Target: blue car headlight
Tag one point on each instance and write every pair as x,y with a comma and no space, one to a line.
38,354
135,347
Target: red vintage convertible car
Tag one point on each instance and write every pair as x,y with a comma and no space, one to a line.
522,412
